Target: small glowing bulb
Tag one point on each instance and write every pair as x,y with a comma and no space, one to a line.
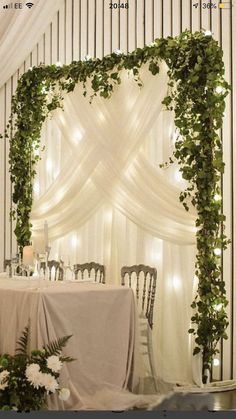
118,52
218,307
36,187
219,89
208,33
74,241
217,251
58,64
78,136
216,362
217,197
178,176
49,165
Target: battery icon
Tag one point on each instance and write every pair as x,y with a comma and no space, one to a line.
226,5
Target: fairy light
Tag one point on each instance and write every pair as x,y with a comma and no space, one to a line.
178,176
217,251
219,89
217,197
216,362
218,307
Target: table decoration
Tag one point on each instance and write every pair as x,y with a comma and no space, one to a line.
27,377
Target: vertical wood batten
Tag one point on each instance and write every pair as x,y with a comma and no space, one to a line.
2,176
131,26
166,18
8,226
195,16
91,27
227,198
54,40
215,28
47,54
61,49
68,31
115,41
158,23
76,30
233,108
123,30
149,37
99,28
107,28
176,17
186,14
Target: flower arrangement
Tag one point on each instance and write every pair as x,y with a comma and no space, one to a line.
27,377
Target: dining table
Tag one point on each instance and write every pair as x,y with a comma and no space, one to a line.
101,318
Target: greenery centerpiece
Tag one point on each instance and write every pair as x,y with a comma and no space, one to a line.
27,377
197,96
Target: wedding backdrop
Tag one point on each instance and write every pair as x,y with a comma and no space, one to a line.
100,188
101,192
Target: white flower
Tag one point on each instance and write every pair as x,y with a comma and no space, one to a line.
64,394
34,375
118,52
4,379
31,369
49,382
54,363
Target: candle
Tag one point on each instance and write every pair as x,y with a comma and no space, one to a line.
28,255
39,244
46,234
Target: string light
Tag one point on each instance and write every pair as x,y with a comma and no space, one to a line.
217,251
178,176
216,362
217,197
49,165
218,307
219,89
36,188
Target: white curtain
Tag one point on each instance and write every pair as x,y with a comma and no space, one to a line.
100,188
20,30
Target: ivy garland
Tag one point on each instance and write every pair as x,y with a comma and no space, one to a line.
197,96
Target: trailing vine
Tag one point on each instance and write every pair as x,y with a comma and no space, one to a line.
197,96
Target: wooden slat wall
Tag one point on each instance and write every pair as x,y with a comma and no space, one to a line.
90,27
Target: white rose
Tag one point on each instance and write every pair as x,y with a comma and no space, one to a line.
64,394
49,382
54,363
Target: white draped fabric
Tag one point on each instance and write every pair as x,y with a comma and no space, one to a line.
20,30
100,188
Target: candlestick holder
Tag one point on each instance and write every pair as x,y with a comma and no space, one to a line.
47,252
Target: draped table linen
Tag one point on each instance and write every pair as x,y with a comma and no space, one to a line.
101,319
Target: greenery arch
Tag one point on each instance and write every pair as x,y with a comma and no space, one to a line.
196,68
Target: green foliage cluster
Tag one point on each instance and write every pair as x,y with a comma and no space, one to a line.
19,393
196,71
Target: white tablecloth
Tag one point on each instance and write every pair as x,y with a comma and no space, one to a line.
100,317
